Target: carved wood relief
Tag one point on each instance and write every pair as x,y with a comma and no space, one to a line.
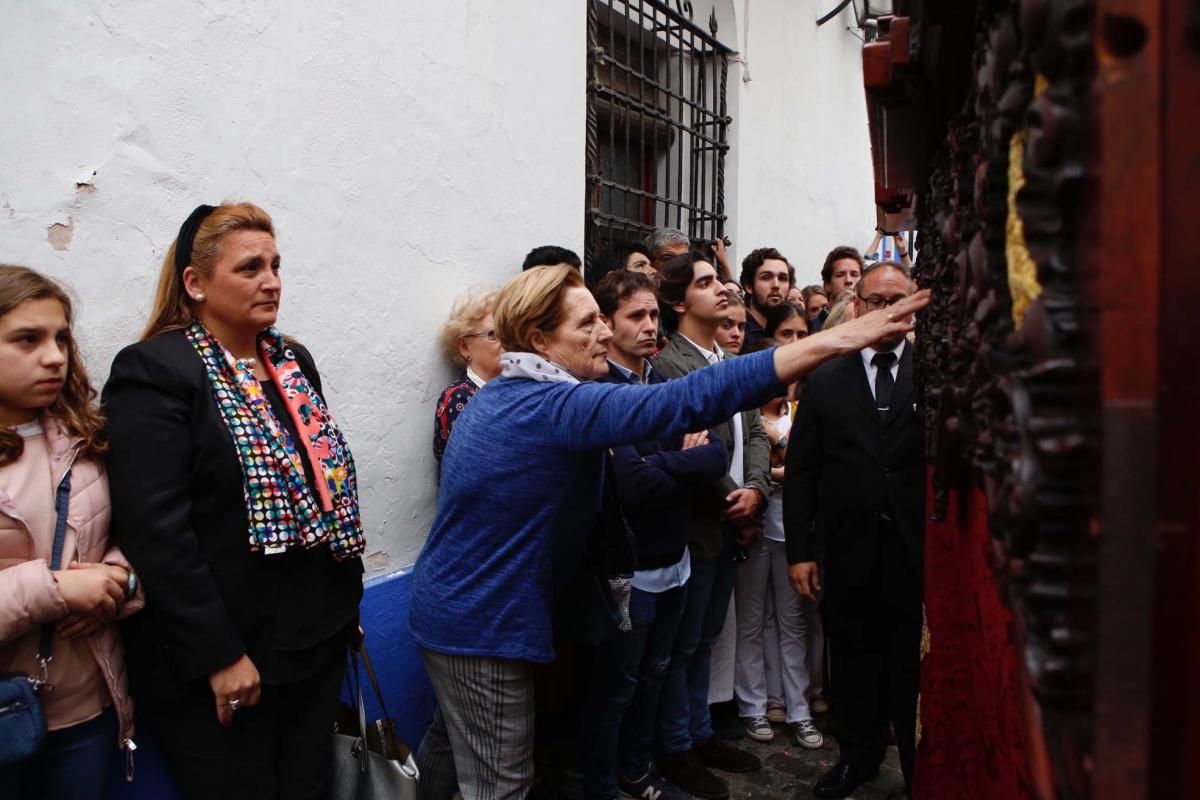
1012,398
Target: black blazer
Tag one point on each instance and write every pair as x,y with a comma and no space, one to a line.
846,466
179,515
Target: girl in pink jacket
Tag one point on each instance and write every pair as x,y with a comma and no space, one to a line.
49,425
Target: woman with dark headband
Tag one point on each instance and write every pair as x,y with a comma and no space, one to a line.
234,497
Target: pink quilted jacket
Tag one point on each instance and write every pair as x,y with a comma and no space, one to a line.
29,595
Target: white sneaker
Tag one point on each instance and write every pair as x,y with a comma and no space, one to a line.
807,734
758,729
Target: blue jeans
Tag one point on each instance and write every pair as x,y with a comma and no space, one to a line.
625,687
683,709
71,764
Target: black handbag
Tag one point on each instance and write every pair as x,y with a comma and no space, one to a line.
22,723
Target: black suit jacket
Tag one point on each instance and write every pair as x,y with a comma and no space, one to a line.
179,515
846,467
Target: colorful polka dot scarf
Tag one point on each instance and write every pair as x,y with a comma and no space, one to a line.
281,511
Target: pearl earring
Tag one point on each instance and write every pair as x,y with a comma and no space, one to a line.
200,297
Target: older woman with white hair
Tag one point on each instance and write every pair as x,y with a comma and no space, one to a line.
469,339
521,485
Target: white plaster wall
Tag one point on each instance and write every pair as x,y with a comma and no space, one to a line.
405,149
801,157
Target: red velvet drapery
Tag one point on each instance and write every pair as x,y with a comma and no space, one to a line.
972,727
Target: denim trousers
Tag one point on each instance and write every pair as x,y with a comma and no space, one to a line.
622,706
683,708
71,764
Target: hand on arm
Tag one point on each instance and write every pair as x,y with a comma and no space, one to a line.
742,505
86,581
93,589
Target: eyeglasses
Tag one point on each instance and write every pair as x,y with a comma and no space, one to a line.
489,335
876,303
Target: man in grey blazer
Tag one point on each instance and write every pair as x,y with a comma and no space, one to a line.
694,304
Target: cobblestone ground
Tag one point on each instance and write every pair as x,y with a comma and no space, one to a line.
789,770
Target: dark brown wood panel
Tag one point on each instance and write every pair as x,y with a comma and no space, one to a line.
1175,709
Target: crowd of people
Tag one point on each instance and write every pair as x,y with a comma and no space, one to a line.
661,481
681,495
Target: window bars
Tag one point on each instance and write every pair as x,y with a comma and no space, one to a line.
657,123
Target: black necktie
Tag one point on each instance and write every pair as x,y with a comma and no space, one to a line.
884,382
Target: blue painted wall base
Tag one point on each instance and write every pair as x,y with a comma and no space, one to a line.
397,662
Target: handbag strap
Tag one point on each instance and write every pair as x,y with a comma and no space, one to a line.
62,502
366,660
360,708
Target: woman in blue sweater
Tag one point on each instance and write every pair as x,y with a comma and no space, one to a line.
521,485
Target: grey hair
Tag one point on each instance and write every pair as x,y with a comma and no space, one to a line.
665,237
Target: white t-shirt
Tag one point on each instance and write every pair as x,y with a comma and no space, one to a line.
773,516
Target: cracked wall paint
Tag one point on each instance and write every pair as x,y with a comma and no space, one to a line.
59,235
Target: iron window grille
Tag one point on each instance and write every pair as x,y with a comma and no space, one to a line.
657,123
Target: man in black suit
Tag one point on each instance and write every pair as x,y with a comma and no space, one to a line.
854,502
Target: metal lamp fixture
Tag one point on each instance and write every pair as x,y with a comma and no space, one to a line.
871,9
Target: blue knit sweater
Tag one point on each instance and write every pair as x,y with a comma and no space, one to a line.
524,466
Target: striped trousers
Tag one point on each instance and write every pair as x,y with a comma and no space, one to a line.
481,740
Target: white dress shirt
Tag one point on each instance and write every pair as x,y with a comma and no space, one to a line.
737,467
869,353
474,378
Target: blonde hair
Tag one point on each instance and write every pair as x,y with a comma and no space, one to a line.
532,301
469,308
173,307
837,314
75,406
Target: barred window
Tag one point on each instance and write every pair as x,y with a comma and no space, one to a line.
657,123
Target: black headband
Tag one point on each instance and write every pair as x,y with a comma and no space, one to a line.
187,235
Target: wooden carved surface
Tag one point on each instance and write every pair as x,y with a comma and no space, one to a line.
1012,404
